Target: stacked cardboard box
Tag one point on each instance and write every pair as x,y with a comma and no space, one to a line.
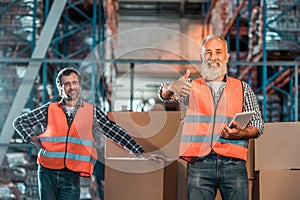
129,177
277,161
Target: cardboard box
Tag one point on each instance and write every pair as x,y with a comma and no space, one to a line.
250,160
157,131
128,185
279,184
182,169
128,177
278,147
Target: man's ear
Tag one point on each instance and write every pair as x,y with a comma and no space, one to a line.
228,56
60,90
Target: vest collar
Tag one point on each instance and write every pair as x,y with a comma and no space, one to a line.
79,103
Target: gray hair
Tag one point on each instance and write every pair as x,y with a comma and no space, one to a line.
210,36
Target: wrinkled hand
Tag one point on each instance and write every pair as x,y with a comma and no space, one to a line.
153,156
181,87
236,133
233,133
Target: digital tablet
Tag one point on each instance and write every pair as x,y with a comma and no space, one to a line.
242,119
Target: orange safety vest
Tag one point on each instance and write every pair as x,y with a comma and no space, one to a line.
71,147
204,121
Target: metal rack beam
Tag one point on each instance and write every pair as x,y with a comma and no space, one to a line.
31,72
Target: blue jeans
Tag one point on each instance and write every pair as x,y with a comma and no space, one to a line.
58,184
208,174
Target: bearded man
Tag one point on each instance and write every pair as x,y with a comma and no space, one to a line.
216,153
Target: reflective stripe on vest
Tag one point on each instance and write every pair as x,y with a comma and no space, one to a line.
204,121
72,147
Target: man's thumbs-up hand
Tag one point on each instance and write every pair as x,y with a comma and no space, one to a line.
181,87
185,76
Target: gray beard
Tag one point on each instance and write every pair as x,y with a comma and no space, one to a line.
212,74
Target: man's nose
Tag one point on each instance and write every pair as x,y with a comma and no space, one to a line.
72,85
213,56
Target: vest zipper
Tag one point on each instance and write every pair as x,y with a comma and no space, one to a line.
66,149
215,112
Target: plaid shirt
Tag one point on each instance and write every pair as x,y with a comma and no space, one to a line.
250,103
102,124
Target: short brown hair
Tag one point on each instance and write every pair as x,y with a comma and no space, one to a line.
65,72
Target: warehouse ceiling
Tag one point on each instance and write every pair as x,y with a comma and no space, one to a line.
171,14
167,8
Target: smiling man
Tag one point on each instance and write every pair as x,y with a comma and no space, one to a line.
216,153
70,89
67,147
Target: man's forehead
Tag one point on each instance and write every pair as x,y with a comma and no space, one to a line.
215,43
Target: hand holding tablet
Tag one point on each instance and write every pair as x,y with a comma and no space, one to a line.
242,119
